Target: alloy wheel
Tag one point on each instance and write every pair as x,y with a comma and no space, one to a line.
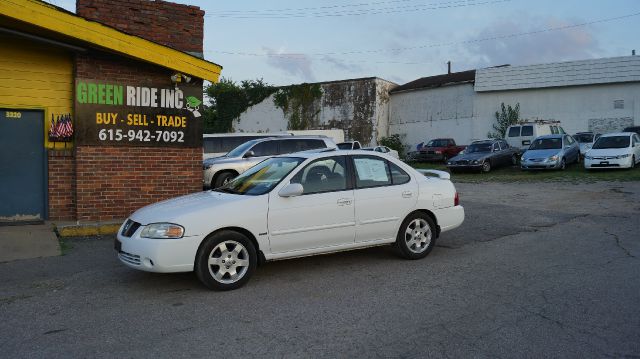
418,235
228,262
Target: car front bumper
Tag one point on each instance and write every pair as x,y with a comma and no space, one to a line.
608,162
539,165
157,255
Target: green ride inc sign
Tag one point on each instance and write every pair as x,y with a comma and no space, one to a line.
134,115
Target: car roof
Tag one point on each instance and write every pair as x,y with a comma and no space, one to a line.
618,134
306,137
328,152
489,140
551,136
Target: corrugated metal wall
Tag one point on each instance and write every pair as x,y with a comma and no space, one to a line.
34,75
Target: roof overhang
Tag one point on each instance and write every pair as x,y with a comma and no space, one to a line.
55,20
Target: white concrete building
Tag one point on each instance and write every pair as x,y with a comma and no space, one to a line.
600,95
359,106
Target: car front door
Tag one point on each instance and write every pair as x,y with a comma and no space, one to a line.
323,216
384,194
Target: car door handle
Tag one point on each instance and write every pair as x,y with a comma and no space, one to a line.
344,201
407,194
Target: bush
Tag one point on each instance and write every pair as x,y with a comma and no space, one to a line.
394,143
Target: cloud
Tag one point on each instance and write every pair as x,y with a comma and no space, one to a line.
342,65
296,65
559,45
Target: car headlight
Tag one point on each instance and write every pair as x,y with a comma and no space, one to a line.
475,162
624,156
587,157
162,230
449,163
553,158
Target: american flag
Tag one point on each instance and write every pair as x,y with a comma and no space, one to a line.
61,128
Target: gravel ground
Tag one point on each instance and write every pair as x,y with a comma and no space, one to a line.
536,270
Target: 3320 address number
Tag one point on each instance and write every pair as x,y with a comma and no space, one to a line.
140,135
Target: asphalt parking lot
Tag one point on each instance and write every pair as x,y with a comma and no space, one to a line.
536,270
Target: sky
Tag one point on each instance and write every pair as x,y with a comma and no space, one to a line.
286,42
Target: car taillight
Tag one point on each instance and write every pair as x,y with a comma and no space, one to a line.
456,200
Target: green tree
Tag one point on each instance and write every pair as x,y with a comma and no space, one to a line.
506,117
228,100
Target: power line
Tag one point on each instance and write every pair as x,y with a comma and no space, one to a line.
303,56
375,11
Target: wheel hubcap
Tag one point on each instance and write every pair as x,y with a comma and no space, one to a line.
228,262
418,235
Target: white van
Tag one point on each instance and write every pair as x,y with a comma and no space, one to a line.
521,135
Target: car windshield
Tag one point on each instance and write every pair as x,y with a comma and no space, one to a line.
546,144
345,145
239,151
261,178
584,137
479,147
438,143
612,142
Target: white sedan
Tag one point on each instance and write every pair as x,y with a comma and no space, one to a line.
614,150
291,206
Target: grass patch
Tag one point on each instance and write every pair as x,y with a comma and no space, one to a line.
573,173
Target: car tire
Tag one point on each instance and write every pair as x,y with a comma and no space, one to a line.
445,158
514,160
416,237
563,164
486,166
222,179
226,260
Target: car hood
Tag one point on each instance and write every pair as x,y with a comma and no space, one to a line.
608,151
471,156
541,153
176,209
220,160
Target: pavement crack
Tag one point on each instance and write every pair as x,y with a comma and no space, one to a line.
625,250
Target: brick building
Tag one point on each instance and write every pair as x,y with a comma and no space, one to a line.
99,110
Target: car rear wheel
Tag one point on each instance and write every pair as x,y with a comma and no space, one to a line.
226,260
417,236
486,166
514,159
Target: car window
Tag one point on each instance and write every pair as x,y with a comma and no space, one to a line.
546,144
299,144
527,131
262,177
323,175
344,146
356,146
385,150
570,140
371,172
398,175
266,148
612,142
503,144
495,147
561,130
514,131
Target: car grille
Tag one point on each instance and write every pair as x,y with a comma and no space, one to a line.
605,165
130,227
462,162
606,157
536,159
129,258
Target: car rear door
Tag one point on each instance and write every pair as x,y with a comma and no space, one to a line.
384,194
323,216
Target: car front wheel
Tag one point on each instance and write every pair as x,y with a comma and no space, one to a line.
222,179
486,166
417,236
226,260
563,164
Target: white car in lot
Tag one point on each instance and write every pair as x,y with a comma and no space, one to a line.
614,150
383,149
291,206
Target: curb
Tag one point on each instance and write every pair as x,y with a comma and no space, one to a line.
88,229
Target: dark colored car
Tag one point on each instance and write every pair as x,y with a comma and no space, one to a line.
635,129
485,155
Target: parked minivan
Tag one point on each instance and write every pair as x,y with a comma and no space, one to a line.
521,135
218,171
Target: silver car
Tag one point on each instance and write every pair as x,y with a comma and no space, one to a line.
551,152
219,170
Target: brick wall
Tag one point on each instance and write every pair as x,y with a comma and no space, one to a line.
62,193
112,182
173,25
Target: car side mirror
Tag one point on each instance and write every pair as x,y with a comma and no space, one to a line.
249,154
291,190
